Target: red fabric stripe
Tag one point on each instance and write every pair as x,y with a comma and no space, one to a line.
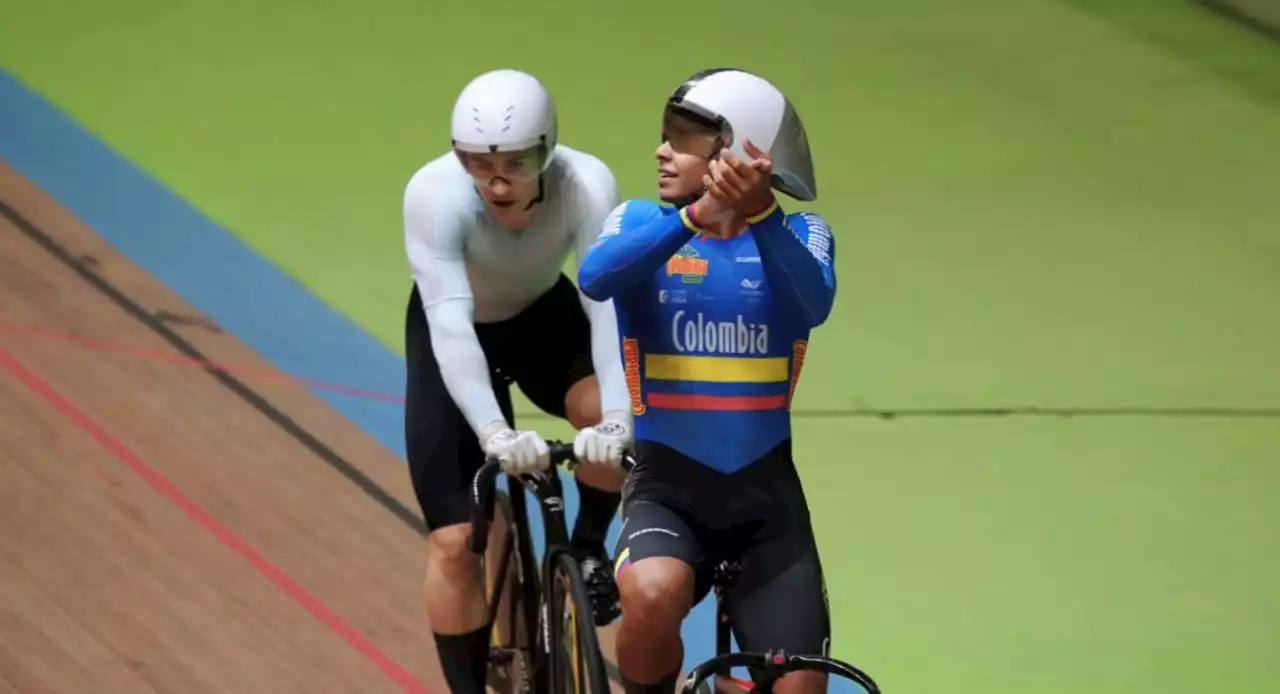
736,403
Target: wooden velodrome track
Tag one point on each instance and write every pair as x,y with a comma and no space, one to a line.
171,524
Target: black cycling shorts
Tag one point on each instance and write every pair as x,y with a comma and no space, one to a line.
674,506
544,350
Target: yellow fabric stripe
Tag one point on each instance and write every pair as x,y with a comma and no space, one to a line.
756,219
688,222
669,367
617,563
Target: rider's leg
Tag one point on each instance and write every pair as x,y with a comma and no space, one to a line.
599,489
657,594
555,369
788,613
456,605
778,600
658,565
443,456
554,366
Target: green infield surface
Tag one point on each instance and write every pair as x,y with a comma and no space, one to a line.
1041,431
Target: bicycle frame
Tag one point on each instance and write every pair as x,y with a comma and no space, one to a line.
549,493
523,552
723,578
772,666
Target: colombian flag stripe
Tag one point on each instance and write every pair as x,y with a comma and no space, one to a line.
723,403
666,367
761,216
622,562
686,217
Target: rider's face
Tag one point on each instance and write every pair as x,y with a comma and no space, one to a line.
684,156
508,182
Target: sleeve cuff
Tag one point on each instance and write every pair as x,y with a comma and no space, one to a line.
763,214
690,222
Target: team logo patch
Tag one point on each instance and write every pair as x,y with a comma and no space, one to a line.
631,366
687,265
611,428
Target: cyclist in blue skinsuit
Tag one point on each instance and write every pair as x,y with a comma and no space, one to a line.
716,293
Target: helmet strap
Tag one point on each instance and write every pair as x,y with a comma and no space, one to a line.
542,193
542,178
686,200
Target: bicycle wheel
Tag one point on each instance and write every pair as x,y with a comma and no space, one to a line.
576,665
510,650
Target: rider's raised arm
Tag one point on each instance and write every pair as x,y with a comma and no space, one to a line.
798,256
635,240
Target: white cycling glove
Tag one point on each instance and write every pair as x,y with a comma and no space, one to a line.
519,452
604,443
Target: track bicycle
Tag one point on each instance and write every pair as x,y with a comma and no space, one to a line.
766,668
543,629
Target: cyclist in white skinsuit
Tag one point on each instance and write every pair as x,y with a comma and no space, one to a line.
489,227
459,249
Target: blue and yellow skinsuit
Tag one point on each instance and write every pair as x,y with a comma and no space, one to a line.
713,331
713,335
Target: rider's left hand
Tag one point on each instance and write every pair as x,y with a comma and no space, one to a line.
604,443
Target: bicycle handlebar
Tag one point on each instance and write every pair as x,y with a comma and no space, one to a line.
560,452
773,665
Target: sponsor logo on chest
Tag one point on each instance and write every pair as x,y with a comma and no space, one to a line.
695,334
686,264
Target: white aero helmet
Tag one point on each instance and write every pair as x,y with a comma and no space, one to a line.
747,107
505,111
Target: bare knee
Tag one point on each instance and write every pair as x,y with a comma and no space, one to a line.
582,403
656,593
449,556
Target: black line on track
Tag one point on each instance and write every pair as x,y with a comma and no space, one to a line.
81,266
1062,412
172,318
157,325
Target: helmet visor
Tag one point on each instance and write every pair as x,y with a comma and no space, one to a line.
513,167
691,133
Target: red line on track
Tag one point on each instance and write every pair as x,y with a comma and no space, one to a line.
206,521
163,355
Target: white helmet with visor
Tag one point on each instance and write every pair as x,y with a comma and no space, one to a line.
504,111
743,106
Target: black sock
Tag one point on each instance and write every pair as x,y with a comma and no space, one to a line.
464,658
595,513
666,685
